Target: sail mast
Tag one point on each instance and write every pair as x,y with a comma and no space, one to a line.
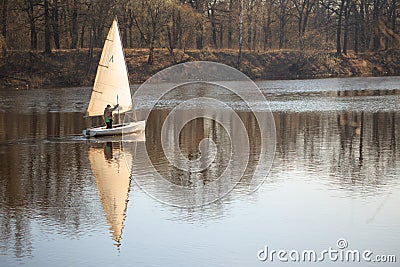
127,72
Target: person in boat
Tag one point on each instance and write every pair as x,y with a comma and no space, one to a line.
108,115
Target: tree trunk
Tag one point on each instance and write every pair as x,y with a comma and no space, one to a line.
363,37
346,26
356,29
267,26
150,59
152,39
230,28
30,9
221,36
99,36
213,28
4,27
171,46
91,44
281,32
125,36
130,28
306,16
66,30
393,21
55,24
240,34
199,37
4,18
255,34
82,43
375,25
173,31
282,23
47,33
179,30
249,20
300,10
125,31
74,26
339,29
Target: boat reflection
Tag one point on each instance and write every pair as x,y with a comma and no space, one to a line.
111,165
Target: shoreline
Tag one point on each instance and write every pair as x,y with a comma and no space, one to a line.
71,68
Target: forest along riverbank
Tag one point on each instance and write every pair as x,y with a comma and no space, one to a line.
63,68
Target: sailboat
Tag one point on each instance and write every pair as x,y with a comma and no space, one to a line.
111,86
112,175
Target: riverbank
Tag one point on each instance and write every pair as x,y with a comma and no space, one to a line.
65,68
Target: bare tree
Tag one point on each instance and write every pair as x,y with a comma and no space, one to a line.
150,18
362,25
267,22
283,19
30,9
303,9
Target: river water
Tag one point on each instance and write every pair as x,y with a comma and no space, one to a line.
334,182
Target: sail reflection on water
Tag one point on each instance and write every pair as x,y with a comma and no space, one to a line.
109,163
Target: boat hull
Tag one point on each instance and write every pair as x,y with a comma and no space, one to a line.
119,129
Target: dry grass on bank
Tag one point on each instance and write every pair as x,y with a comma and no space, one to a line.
63,68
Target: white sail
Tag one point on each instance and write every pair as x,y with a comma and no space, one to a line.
113,182
111,85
